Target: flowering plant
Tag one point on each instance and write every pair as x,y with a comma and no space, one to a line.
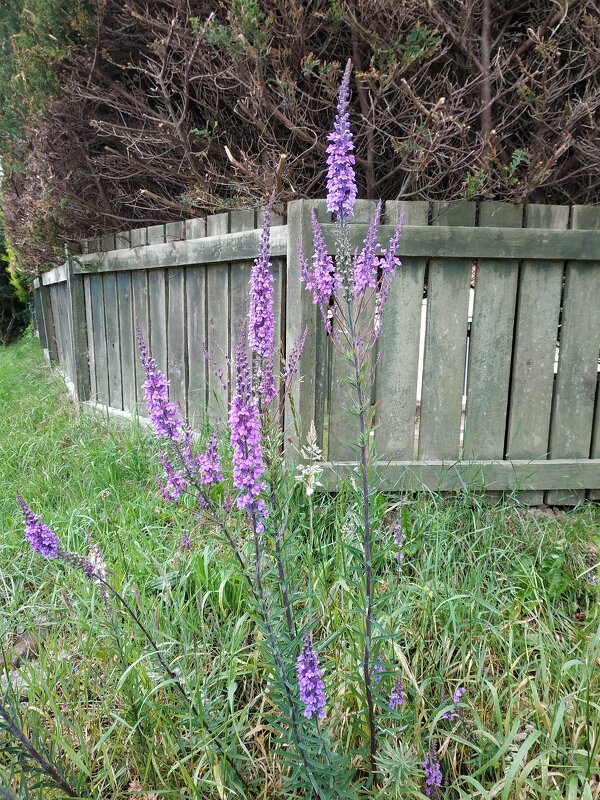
240,494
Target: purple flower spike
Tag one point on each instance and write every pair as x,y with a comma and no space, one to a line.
164,416
40,537
209,464
341,181
293,362
367,261
433,773
244,422
261,319
310,682
398,694
453,713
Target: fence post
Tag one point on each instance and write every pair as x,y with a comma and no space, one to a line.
48,317
78,331
300,313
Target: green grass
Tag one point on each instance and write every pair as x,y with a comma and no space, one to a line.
495,598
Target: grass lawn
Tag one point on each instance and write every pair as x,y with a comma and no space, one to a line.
498,599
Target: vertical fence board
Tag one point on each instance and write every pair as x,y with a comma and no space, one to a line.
445,342
155,234
39,317
195,228
58,318
90,337
532,380
397,370
300,314
196,341
217,280
79,349
138,237
113,342
48,322
157,290
174,231
491,342
177,339
141,317
128,349
99,338
342,395
239,281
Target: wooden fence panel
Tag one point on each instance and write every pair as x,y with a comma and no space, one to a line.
397,370
128,348
491,343
87,293
536,330
445,342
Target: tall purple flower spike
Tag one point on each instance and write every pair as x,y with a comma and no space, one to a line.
341,181
164,415
433,773
244,422
261,330
398,694
310,682
40,537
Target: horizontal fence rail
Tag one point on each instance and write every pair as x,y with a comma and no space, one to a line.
487,372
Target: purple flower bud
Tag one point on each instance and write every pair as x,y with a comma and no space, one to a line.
40,537
433,773
453,713
398,694
341,181
185,542
310,682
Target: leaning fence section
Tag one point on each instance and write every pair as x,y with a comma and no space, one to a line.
487,370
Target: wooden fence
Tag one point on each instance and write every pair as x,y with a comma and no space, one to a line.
488,368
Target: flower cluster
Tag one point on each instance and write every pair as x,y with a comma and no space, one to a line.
174,482
367,261
164,415
40,537
310,682
433,773
452,713
209,464
293,362
398,695
309,474
378,671
244,422
321,278
341,183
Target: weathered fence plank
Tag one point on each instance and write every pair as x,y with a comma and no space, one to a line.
113,341
196,342
99,338
79,342
176,346
397,370
445,342
491,343
540,286
141,318
128,348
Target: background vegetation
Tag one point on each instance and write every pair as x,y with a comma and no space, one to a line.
117,114
499,599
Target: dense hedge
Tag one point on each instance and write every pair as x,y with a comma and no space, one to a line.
113,114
